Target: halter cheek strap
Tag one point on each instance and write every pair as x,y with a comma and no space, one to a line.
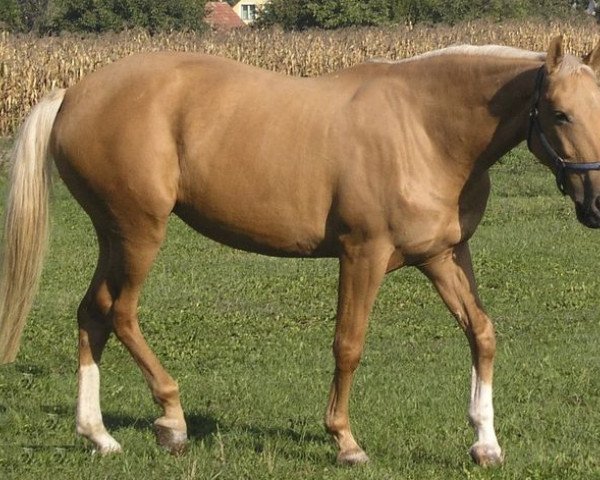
560,165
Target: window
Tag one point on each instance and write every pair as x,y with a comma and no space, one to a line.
248,13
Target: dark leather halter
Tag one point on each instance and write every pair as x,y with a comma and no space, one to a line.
561,166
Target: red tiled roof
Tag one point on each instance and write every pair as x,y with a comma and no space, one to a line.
220,15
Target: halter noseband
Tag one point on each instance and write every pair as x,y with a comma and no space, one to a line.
560,164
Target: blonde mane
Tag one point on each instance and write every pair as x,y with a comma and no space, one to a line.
570,64
483,50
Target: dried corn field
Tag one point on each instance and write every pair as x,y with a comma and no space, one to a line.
31,66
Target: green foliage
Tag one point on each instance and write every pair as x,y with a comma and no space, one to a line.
10,15
45,16
299,14
289,14
435,11
51,16
83,15
344,13
22,15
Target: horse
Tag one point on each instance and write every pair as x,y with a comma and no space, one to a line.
381,165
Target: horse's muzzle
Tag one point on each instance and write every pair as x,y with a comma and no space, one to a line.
589,215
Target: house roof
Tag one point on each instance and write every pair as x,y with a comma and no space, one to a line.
221,16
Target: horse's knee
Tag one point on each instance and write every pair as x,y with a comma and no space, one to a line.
484,339
96,306
335,424
125,326
347,355
166,392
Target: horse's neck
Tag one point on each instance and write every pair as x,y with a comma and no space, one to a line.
508,103
476,108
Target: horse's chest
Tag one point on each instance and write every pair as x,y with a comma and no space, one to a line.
424,234
435,224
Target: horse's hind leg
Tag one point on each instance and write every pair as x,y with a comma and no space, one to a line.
111,305
452,275
94,330
132,254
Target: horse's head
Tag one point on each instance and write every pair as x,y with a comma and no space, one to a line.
564,130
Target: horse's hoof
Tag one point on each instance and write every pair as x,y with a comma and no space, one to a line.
108,447
487,455
175,441
104,443
352,457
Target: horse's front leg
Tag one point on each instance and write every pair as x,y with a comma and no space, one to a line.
452,275
361,272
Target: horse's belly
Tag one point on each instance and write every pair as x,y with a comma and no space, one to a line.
277,230
264,197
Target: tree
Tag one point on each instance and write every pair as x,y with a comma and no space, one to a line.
50,16
10,15
344,13
289,14
301,14
53,16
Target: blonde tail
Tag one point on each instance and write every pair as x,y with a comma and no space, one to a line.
26,223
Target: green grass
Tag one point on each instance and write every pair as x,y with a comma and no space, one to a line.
248,338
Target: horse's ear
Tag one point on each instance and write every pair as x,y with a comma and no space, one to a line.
592,59
555,54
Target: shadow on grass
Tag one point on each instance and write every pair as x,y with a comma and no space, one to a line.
200,427
209,429
298,442
285,433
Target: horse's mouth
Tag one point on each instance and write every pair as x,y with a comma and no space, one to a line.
588,216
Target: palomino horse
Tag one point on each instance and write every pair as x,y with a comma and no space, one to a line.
381,165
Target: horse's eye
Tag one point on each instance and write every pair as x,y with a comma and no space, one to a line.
561,117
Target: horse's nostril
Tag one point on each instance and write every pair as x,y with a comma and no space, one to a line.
595,205
589,214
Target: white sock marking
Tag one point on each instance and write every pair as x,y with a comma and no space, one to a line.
481,411
89,415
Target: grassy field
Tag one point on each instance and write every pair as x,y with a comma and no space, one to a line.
248,338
